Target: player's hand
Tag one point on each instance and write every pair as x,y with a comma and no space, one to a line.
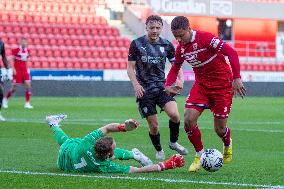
173,91
238,87
139,91
179,83
131,124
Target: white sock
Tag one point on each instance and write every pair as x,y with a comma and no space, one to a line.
200,153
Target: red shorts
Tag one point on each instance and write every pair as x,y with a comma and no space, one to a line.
21,76
219,101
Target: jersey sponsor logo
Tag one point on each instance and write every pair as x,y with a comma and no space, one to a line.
152,59
192,59
214,42
162,49
82,164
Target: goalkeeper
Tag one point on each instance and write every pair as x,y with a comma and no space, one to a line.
95,152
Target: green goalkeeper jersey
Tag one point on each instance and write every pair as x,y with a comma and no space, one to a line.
78,155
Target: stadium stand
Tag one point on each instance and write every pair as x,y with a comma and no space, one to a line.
64,34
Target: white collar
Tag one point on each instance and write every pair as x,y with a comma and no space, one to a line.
193,35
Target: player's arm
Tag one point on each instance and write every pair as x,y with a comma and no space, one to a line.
139,90
219,46
171,57
128,125
175,161
232,54
173,74
4,58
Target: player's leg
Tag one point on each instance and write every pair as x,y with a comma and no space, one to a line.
9,94
154,135
1,99
28,92
53,122
221,110
136,154
191,128
147,109
169,105
195,104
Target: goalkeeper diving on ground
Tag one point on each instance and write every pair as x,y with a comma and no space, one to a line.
95,152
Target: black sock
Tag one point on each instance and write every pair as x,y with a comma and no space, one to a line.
1,97
174,131
156,141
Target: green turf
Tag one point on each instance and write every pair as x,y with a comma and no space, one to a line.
27,144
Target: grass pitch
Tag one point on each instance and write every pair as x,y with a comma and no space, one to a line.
29,152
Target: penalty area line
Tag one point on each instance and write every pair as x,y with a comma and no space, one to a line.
144,179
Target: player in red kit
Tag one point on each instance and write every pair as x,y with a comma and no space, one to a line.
216,82
20,73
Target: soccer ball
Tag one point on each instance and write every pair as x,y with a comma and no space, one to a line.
211,160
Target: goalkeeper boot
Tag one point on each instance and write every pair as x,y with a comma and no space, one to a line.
5,103
160,155
54,120
228,153
141,158
179,148
195,165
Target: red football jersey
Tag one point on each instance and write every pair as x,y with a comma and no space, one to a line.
20,56
203,54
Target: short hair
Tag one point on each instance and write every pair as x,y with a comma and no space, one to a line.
103,147
179,22
154,18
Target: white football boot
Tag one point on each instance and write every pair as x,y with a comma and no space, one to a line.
179,148
141,158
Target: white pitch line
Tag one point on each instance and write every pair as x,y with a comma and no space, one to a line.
104,121
145,179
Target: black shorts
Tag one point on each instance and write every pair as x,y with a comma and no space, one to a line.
147,104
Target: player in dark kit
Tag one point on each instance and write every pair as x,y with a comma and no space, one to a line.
215,83
146,70
5,62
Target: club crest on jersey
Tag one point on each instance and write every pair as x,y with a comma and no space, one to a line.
214,43
194,46
162,49
143,48
182,50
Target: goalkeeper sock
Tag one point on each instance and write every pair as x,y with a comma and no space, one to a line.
174,131
194,137
59,135
122,154
156,141
226,138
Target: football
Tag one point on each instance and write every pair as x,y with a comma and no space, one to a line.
212,160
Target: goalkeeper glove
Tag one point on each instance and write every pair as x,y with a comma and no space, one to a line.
129,125
175,161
